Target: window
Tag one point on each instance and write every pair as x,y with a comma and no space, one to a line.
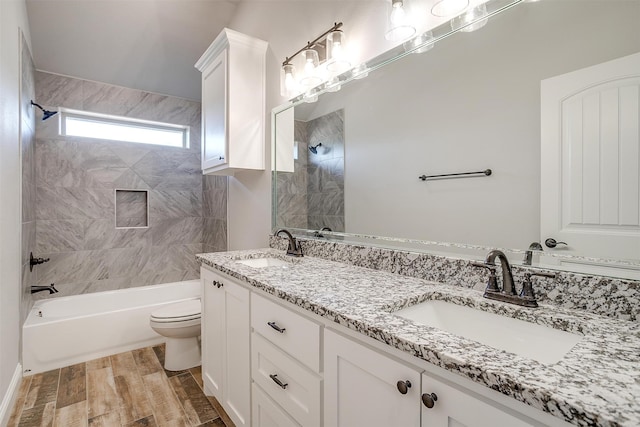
118,128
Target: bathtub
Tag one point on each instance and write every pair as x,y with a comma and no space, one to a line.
68,330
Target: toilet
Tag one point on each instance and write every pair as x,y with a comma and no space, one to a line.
180,324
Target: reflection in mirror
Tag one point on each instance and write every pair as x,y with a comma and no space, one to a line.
473,102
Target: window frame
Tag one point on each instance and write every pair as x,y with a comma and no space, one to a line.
124,121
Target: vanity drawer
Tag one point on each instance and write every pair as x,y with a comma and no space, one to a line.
296,335
289,384
265,413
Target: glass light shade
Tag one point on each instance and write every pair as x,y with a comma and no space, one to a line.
472,20
337,56
447,8
360,72
288,84
400,26
310,77
333,84
420,44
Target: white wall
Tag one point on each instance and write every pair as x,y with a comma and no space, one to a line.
287,26
12,18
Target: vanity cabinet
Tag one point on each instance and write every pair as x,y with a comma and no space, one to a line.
233,104
225,344
362,386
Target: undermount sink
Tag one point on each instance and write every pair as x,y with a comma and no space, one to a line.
263,262
541,343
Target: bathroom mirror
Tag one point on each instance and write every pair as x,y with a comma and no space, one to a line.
470,103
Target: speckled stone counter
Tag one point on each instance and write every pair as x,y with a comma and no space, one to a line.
596,383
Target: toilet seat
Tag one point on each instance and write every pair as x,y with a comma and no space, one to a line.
185,311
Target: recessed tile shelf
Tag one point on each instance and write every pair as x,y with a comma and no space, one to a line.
132,208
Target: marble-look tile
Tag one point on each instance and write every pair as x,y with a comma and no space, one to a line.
215,232
74,203
28,141
174,231
27,84
28,243
72,267
29,202
129,180
53,90
132,208
163,259
175,203
103,234
130,153
109,99
214,203
154,168
125,262
59,236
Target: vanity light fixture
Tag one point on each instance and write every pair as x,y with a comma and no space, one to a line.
420,44
472,20
400,26
447,8
320,60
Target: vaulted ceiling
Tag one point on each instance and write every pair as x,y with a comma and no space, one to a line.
150,45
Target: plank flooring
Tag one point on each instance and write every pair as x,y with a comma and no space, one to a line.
129,389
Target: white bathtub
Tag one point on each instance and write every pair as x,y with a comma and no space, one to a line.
63,331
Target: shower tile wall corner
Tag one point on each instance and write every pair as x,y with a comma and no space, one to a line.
75,187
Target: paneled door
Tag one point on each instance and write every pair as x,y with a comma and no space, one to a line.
590,157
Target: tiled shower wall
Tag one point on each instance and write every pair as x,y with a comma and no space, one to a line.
312,196
28,131
76,179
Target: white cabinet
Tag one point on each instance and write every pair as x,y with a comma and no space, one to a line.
225,344
233,104
362,387
453,407
265,413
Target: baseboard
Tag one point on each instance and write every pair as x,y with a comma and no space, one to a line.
10,396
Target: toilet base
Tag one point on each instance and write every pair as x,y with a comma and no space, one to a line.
182,353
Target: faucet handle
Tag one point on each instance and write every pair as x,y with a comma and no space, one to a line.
492,283
527,286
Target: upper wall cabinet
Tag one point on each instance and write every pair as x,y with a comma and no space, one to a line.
233,103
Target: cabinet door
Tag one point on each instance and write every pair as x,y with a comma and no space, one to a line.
237,357
212,334
226,359
361,387
455,408
214,113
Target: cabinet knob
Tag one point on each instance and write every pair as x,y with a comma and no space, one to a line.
221,158
429,400
275,379
403,386
276,327
217,284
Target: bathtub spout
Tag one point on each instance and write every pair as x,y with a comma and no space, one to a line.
51,289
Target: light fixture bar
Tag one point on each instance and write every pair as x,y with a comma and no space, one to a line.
312,43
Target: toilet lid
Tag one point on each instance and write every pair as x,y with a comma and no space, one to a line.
180,311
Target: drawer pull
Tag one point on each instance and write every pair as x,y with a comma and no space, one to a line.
275,379
429,400
276,327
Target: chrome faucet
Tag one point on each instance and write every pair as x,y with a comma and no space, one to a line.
294,248
528,255
50,288
319,232
508,291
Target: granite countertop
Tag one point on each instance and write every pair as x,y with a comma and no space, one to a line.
596,383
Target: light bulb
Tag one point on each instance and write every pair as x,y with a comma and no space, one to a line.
398,14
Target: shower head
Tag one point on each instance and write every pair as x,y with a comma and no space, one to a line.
314,148
45,113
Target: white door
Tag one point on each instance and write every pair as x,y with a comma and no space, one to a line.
590,174
361,387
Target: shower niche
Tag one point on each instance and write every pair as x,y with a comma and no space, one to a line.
132,208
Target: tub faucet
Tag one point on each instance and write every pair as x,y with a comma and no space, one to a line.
50,288
528,255
294,248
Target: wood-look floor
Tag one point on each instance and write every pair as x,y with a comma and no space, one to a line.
126,389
